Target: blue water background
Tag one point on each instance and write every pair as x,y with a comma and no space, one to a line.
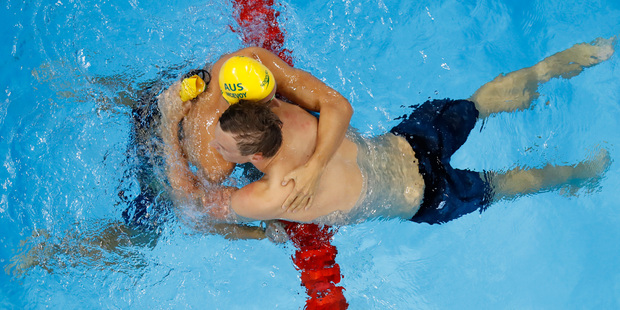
64,132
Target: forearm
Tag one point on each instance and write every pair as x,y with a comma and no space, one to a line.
238,231
177,167
207,220
333,124
180,177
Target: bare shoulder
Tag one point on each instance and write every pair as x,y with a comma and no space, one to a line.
257,201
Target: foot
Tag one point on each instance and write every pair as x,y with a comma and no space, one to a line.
594,167
587,174
570,179
28,258
572,61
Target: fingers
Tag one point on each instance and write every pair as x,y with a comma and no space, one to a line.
308,203
298,202
289,200
293,202
287,178
302,195
295,206
292,196
276,232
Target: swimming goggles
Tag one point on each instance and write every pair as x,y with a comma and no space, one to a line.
203,74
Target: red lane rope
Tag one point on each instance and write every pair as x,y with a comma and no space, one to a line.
316,259
257,20
315,256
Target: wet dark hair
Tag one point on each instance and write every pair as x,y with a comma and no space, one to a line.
255,127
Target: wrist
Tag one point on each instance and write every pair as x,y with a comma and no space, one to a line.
316,161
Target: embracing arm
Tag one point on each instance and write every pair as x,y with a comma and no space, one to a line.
173,110
335,114
219,206
216,217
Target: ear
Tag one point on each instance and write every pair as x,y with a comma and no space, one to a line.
275,103
256,157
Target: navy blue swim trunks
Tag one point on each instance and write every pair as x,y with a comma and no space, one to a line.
436,130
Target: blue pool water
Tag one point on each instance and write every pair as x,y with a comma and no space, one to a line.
70,69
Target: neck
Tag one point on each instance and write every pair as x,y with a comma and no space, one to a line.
266,164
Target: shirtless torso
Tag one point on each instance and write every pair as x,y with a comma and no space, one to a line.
341,185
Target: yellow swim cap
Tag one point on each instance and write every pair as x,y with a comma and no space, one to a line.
245,78
191,87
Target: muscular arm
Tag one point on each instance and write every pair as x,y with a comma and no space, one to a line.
256,201
335,114
177,168
219,207
262,200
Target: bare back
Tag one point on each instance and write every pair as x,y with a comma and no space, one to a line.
340,184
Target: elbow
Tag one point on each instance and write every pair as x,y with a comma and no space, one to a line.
339,108
337,103
343,105
344,108
348,109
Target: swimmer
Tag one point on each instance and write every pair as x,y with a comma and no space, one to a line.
405,173
257,75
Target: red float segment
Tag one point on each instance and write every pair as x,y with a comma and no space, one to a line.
316,259
257,20
332,299
312,278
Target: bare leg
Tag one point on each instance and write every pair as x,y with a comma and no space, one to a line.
93,247
517,90
519,182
